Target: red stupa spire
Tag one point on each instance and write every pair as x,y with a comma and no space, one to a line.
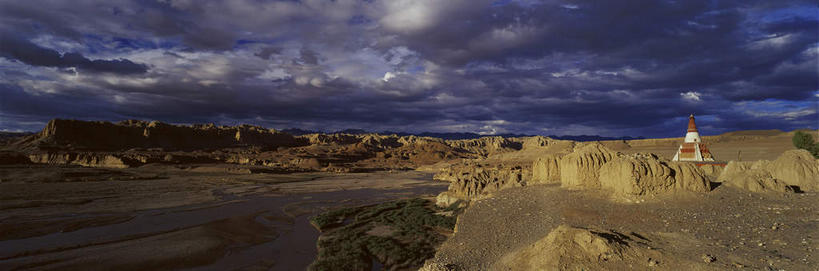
692,127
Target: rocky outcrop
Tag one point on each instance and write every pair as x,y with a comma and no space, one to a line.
472,182
84,159
589,166
546,169
573,248
327,139
254,145
648,175
106,136
793,170
446,199
756,180
796,168
689,177
712,171
734,169
538,142
486,146
580,168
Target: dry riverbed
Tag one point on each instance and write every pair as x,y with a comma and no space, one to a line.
166,217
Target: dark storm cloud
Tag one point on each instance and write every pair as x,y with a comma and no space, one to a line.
266,52
34,55
631,67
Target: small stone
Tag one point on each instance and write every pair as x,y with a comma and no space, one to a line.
774,227
652,262
708,258
760,244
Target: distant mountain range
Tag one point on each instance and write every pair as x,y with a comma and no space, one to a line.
4,136
456,136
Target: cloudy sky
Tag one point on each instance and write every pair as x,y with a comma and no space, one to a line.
611,68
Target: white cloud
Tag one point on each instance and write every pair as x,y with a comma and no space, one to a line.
691,96
772,41
317,82
410,15
274,74
388,76
787,115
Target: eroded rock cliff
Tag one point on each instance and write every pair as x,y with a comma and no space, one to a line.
472,180
106,136
793,170
649,175
580,169
546,169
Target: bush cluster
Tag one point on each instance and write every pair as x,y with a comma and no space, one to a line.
805,141
345,244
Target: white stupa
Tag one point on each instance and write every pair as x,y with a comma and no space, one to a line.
692,149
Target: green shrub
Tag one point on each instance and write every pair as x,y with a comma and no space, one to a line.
802,140
347,246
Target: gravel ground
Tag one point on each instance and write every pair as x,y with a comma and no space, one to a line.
723,229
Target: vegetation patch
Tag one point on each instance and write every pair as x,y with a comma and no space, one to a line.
348,241
803,140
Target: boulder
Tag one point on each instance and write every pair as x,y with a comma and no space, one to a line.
580,168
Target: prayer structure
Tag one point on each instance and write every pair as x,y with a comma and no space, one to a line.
692,149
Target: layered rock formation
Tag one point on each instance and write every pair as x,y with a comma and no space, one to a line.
85,159
755,180
588,166
106,136
135,142
793,170
546,169
486,146
648,175
580,169
797,168
472,181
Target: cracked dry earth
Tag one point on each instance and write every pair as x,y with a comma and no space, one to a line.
720,230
